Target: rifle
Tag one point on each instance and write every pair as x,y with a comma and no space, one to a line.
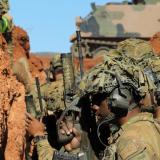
69,92
39,96
30,104
70,87
79,46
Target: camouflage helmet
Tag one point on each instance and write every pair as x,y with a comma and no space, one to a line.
53,95
102,77
139,52
4,6
56,61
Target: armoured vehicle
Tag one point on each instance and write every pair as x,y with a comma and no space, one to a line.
106,25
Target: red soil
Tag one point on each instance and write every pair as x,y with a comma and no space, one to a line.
12,110
88,62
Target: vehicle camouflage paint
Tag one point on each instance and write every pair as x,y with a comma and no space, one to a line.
106,25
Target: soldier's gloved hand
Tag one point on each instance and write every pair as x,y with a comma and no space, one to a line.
68,128
33,126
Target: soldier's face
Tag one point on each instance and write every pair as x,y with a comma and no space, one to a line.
102,110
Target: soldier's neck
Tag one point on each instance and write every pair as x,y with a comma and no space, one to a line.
130,114
59,76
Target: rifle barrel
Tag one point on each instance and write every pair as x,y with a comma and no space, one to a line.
80,52
39,94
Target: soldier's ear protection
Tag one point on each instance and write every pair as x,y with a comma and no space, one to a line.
122,98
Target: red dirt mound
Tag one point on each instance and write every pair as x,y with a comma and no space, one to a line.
20,40
21,48
12,111
38,63
88,62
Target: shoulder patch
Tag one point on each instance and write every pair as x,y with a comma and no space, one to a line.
128,148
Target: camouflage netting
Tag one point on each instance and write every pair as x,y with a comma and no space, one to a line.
140,52
129,60
54,95
12,111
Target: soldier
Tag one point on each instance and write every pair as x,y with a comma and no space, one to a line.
55,70
134,139
52,94
53,90
6,23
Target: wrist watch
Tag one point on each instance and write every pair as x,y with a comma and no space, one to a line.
39,138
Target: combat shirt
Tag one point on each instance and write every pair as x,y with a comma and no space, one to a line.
138,139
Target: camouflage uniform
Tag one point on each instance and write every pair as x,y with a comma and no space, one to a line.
135,139
45,151
53,92
10,22
3,25
6,21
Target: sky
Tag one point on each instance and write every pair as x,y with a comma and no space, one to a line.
50,23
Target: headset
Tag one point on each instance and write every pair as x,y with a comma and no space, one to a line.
123,98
